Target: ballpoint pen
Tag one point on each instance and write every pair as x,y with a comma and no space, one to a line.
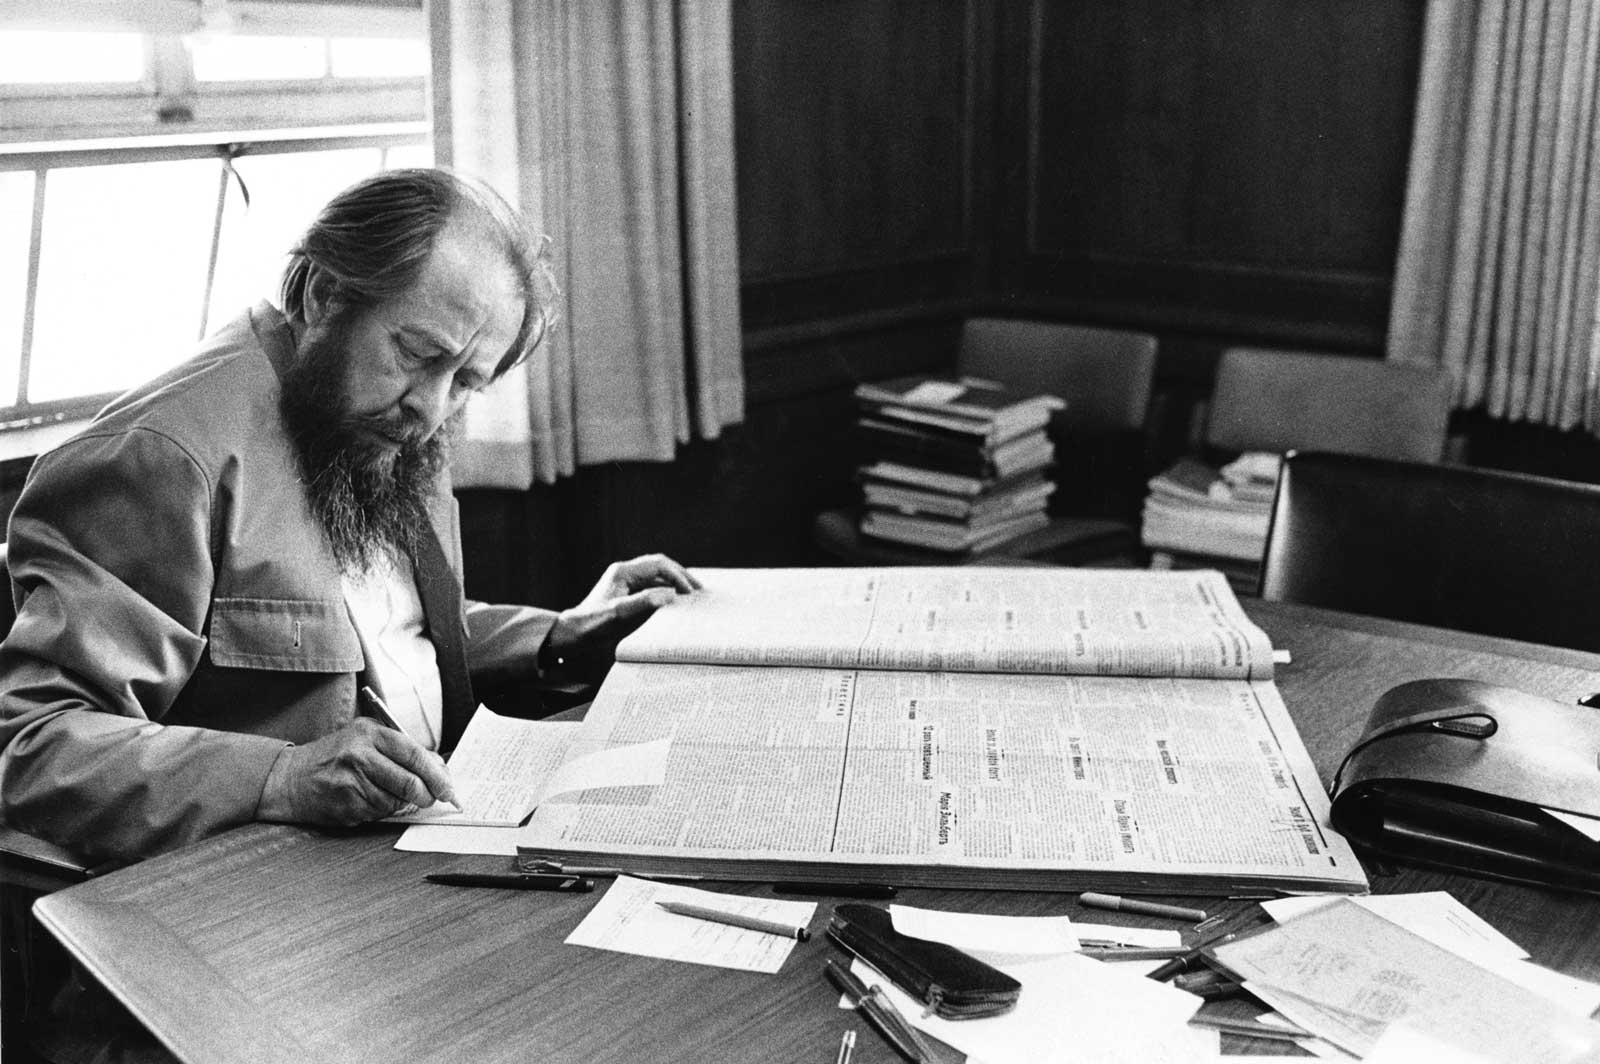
513,881
1140,906
1213,933
1134,953
556,868
872,1004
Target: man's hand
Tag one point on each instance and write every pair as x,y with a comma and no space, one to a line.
362,772
627,594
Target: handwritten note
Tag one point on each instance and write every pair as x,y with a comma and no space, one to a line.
628,920
1346,974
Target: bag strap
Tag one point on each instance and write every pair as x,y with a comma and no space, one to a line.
1470,723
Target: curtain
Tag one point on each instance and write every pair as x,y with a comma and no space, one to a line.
610,124
1499,254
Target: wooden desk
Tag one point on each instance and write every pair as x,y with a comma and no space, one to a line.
274,943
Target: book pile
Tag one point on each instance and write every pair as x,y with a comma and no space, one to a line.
953,465
1197,516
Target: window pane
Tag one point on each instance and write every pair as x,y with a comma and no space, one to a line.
286,191
16,226
227,58
54,57
121,273
379,57
403,155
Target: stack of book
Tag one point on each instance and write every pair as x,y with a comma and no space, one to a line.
1198,516
953,465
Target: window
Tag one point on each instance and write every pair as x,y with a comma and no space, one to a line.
157,158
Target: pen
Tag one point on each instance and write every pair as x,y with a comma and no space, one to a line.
847,1048
557,868
1134,905
879,1012
1134,953
380,712
837,890
513,881
1207,983
1221,929
752,923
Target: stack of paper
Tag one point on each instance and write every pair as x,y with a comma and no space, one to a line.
1350,969
1199,516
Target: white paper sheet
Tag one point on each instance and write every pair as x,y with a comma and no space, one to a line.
498,769
997,939
1444,921
1072,1008
1347,973
530,760
627,920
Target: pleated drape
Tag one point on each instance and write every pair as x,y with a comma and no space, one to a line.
1499,255
610,123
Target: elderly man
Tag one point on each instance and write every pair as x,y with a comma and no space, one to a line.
209,575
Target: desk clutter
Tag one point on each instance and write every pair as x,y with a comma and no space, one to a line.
1379,978
1145,960
953,465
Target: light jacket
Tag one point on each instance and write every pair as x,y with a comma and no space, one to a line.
180,616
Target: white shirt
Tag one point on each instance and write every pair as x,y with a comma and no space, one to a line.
388,613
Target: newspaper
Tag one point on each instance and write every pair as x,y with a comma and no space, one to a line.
990,779
964,618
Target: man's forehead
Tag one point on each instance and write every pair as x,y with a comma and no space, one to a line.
465,292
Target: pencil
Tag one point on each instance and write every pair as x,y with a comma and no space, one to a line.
752,923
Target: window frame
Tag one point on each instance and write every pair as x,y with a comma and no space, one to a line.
26,414
170,115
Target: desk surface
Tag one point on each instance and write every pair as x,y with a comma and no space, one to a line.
277,943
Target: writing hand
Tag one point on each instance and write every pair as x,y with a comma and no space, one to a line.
362,772
627,593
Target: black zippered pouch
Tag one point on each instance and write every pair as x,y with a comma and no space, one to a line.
953,984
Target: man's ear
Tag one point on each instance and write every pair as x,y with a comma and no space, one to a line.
319,289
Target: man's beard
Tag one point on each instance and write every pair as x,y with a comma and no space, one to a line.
371,500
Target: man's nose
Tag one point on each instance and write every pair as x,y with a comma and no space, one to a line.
428,400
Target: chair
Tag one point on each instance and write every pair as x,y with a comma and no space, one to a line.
1104,374
1478,550
1105,377
1273,401
1266,400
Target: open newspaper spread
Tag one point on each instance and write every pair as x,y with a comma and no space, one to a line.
978,727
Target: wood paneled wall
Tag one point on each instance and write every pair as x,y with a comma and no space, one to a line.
1234,167
1211,170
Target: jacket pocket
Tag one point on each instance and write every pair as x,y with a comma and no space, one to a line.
289,635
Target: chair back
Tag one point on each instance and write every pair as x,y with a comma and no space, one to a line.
1103,374
1477,550
1265,400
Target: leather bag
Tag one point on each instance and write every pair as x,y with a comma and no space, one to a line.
1468,776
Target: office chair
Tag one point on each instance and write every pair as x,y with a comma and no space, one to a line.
1105,376
1479,550
1273,401
1267,400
